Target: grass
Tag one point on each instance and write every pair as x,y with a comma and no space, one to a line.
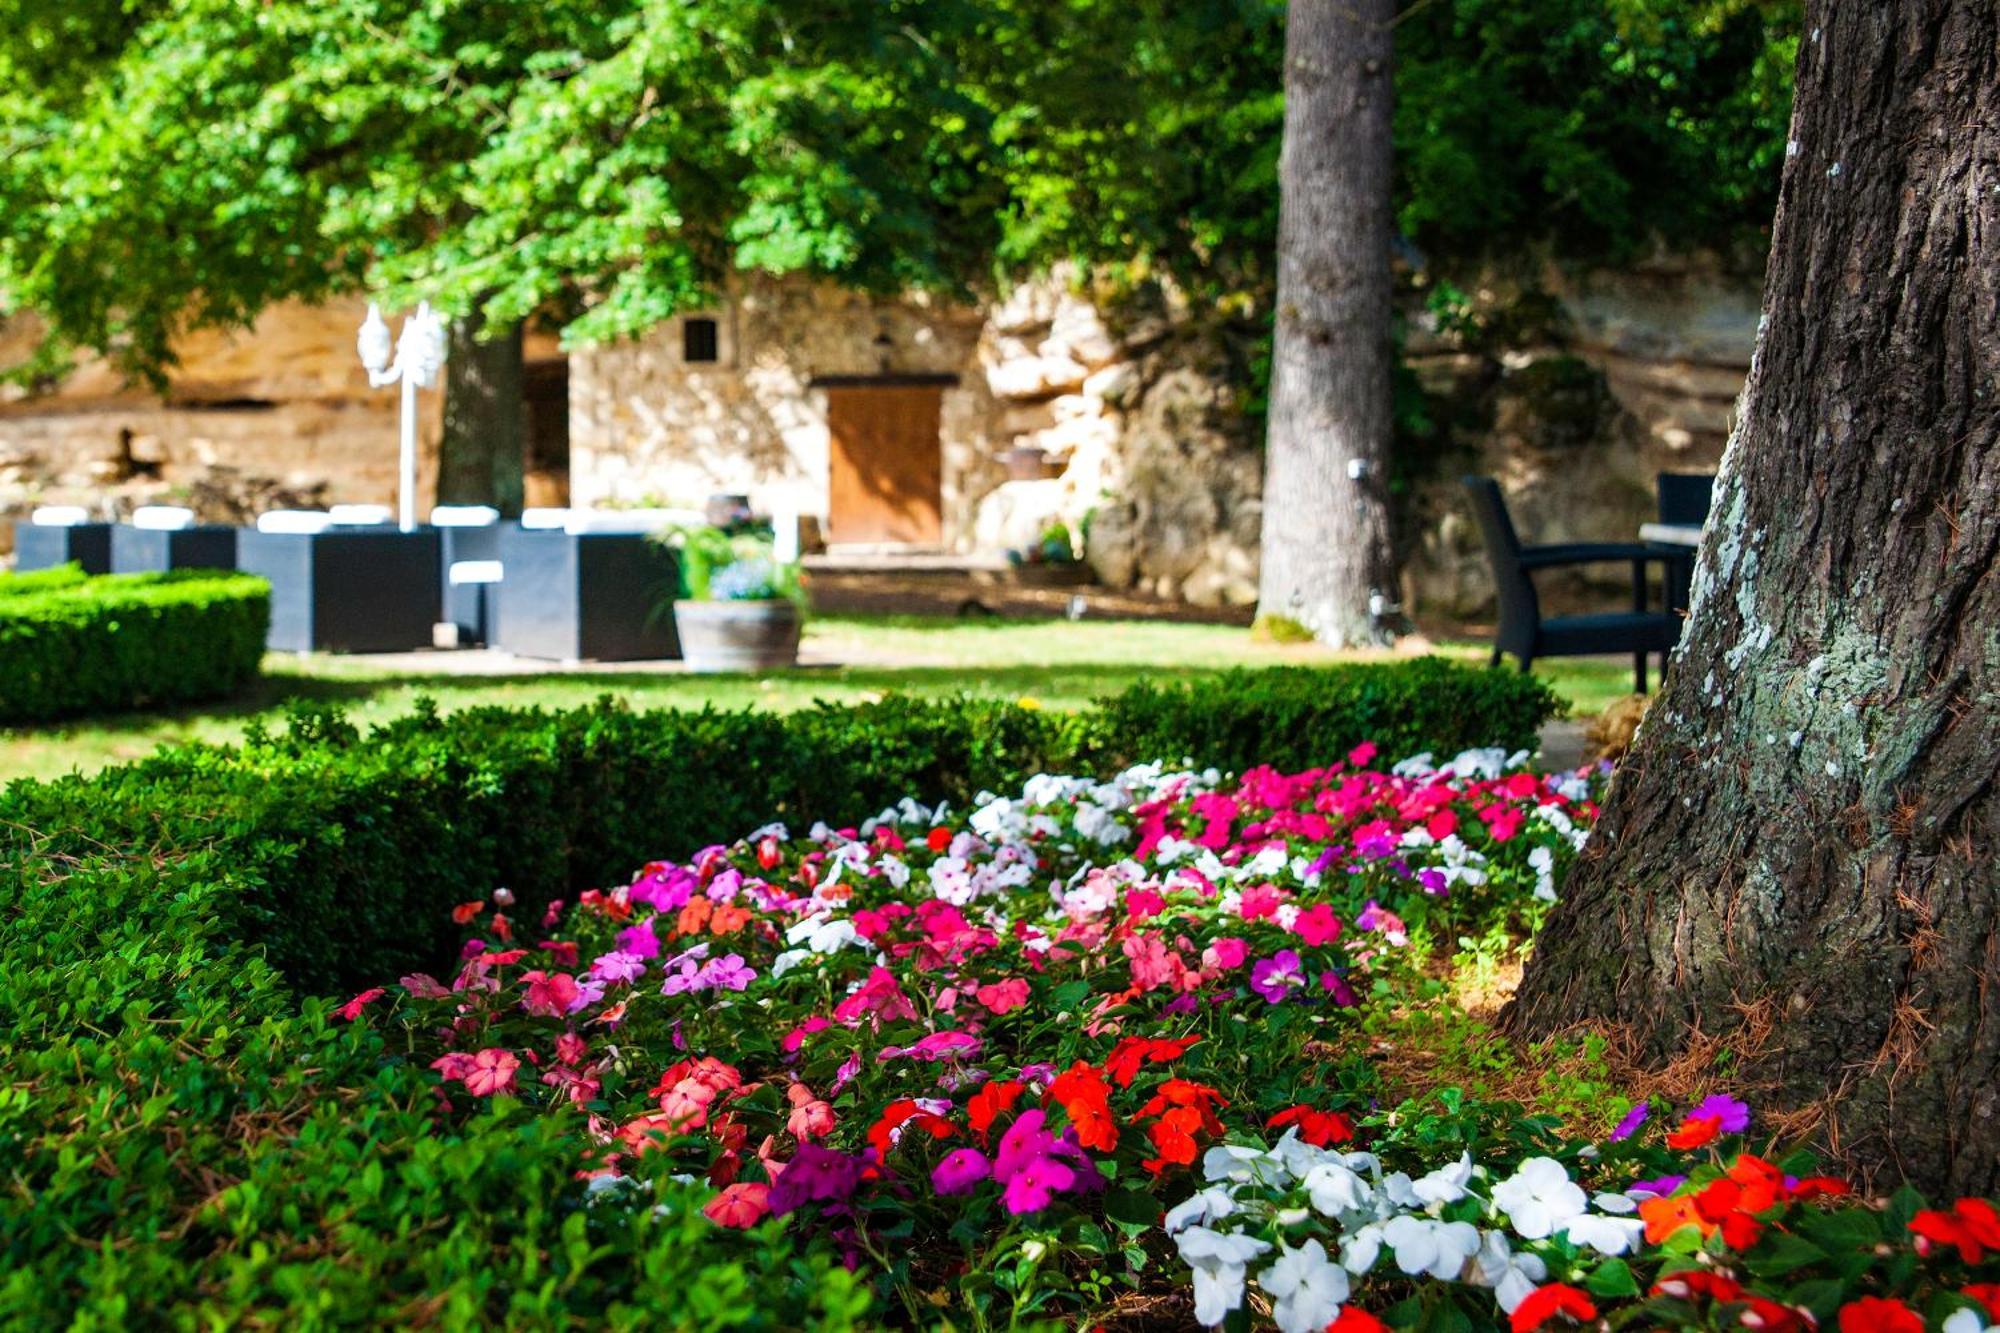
1059,663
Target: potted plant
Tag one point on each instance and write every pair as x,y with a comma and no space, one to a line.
743,607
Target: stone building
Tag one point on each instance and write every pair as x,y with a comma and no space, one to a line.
918,424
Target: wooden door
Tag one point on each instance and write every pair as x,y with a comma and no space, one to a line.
886,468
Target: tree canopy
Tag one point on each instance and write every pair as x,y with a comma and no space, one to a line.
603,163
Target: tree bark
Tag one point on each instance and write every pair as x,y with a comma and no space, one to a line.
480,457
1328,563
1800,848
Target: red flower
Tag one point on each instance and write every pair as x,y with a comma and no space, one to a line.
1354,1320
1695,1133
1695,1282
1545,1303
767,853
1771,1317
1873,1314
1126,1058
1988,1295
1086,1098
1972,1226
352,1009
903,1113
938,840
1316,1127
989,1102
464,912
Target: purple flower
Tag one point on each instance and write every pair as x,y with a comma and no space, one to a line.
1733,1116
728,972
815,1175
618,965
1336,986
665,887
1375,847
683,975
1434,882
1275,977
1630,1124
960,1170
1659,1186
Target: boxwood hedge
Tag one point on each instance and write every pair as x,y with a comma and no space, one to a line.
72,644
194,1142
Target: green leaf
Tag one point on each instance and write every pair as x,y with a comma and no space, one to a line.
1612,1279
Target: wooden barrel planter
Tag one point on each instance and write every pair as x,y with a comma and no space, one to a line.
738,636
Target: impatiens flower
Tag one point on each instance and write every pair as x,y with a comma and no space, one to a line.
424,986
1034,1183
1876,1314
1972,1227
352,1009
728,972
1218,1260
1355,1320
1988,1295
1278,976
570,1048
491,1072
1426,1245
1003,997
1086,1098
989,1102
1730,1115
1539,1198
1319,1128
815,1175
1633,1119
960,1170
741,1205
465,912
1546,1303
1446,1184
1307,1288
550,994
1317,925
1606,1235
618,965
1226,953
1695,1132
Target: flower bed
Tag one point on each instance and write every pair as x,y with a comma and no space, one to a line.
1096,1038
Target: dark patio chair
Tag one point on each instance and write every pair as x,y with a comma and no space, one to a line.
1685,498
1524,633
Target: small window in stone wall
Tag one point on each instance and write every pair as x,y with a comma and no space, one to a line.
698,340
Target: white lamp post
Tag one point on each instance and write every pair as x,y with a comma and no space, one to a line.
419,359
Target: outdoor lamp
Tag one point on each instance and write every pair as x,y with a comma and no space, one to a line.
419,359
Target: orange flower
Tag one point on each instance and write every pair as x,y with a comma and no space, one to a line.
728,919
899,1114
464,912
989,1102
1873,1314
1695,1133
1545,1303
1122,1065
1086,1098
1663,1217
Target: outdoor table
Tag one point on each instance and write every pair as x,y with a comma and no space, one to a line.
46,545
347,589
137,550
586,596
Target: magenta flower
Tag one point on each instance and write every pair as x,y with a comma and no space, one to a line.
728,972
639,940
618,965
1733,1116
1277,976
1630,1124
960,1170
815,1175
1035,1183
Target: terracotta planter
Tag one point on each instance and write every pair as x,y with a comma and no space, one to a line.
738,636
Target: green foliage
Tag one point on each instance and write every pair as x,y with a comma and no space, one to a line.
603,165
1296,718
193,1141
746,561
71,644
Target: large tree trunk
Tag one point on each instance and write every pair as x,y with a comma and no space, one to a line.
480,458
1327,560
1803,837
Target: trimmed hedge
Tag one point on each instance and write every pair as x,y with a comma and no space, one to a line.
192,1139
71,644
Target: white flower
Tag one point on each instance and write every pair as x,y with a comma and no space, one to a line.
1241,1165
1447,1183
1967,1321
1606,1235
822,932
1208,1205
1539,1198
1426,1245
1218,1261
1308,1288
1512,1276
1543,862
1615,1203
1336,1191
1361,1248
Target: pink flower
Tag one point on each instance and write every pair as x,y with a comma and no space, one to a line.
1144,903
811,1120
741,1205
570,1048
1003,997
1225,953
492,1072
618,965
550,994
424,986
352,1009
1317,925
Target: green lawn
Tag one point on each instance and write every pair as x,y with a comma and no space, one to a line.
1058,663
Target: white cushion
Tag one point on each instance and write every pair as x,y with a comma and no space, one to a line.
360,516
162,518
464,516
294,520
640,522
59,516
544,518
473,571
